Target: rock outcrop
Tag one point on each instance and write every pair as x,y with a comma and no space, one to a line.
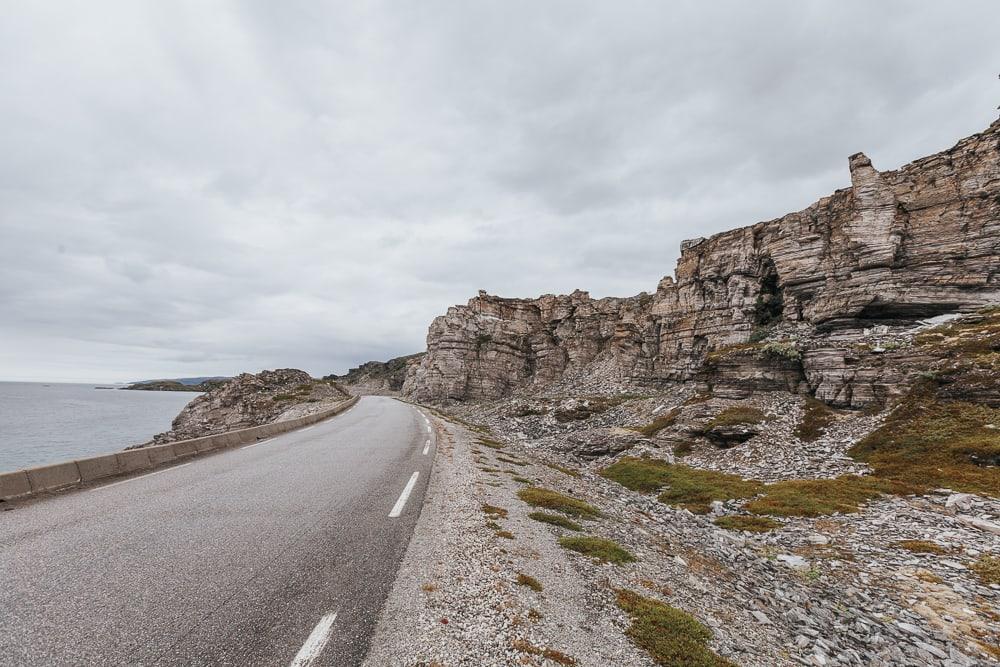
251,400
378,377
895,248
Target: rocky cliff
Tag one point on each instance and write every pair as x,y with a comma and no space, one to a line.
251,400
798,303
378,377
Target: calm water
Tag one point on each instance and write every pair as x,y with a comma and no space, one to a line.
42,424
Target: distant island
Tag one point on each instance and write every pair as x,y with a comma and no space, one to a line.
197,384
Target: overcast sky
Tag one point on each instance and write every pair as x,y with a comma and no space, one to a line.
209,187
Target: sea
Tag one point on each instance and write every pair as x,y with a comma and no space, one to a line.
49,423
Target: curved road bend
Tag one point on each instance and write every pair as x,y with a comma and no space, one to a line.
240,558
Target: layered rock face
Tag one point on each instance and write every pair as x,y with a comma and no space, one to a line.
894,248
251,400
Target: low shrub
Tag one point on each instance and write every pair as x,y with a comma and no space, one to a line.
987,568
930,443
553,500
606,551
672,637
921,546
555,520
660,423
529,582
750,524
683,485
494,511
816,417
563,469
818,497
737,415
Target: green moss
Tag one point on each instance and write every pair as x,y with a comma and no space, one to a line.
818,497
987,568
751,524
660,423
737,416
930,443
816,417
529,581
553,500
673,638
606,551
684,486
555,520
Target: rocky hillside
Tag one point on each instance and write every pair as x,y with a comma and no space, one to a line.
788,454
378,377
251,400
799,298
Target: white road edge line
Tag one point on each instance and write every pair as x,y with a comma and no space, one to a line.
149,474
427,446
397,509
316,642
264,441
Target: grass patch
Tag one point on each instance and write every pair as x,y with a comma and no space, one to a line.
660,423
685,486
505,534
751,524
522,480
553,500
524,646
494,512
284,397
921,546
555,520
672,637
737,415
987,568
695,489
491,443
639,474
930,443
816,417
530,582
606,551
817,497
562,469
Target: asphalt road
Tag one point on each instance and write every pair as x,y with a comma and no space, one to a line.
237,558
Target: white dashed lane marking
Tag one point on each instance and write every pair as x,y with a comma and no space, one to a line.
316,642
397,509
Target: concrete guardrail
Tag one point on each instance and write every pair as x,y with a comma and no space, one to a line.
58,476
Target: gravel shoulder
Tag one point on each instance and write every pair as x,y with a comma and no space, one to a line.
456,600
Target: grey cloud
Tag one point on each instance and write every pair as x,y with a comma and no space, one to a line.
199,188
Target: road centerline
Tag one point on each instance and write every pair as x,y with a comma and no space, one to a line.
397,509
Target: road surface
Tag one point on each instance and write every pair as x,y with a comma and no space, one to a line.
278,553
